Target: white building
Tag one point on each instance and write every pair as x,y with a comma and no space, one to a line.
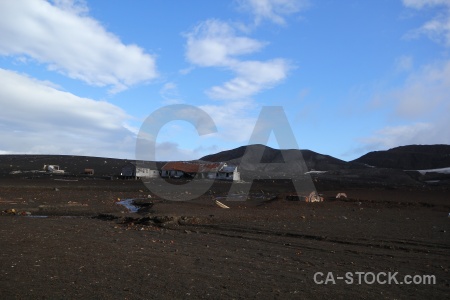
207,170
133,171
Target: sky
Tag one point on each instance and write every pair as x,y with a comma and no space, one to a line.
82,77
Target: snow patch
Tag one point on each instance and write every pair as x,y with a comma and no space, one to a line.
441,170
316,172
128,204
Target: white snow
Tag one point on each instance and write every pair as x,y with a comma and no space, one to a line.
441,170
128,203
316,172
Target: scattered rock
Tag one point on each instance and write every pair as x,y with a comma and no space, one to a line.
106,217
295,197
220,204
164,219
341,196
15,212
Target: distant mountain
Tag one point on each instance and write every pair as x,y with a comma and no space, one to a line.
377,166
70,163
412,157
313,160
227,155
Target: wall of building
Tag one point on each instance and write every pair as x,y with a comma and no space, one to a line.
146,173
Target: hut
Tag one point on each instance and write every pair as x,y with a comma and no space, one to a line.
204,170
138,171
89,171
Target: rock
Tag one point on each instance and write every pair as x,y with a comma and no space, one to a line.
341,196
106,217
164,219
11,211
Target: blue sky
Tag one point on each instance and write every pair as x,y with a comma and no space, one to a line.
81,77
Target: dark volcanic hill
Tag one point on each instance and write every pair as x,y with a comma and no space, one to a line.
70,163
297,162
413,157
313,160
386,167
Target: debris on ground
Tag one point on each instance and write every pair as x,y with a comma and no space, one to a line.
163,221
220,204
14,212
314,197
295,197
341,196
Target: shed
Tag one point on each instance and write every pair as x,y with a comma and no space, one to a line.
206,170
137,171
229,172
53,169
178,169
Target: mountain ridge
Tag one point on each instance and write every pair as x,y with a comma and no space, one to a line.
314,161
409,157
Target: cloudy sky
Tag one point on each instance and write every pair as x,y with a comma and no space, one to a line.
81,77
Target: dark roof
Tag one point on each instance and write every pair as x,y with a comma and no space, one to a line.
192,167
228,169
144,164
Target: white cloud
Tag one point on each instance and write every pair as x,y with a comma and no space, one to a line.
169,151
424,93
415,133
404,63
437,29
272,10
418,4
74,6
72,43
234,123
169,94
215,44
252,77
43,120
423,105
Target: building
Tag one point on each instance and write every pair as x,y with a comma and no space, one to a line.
206,170
229,173
53,169
89,171
133,171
